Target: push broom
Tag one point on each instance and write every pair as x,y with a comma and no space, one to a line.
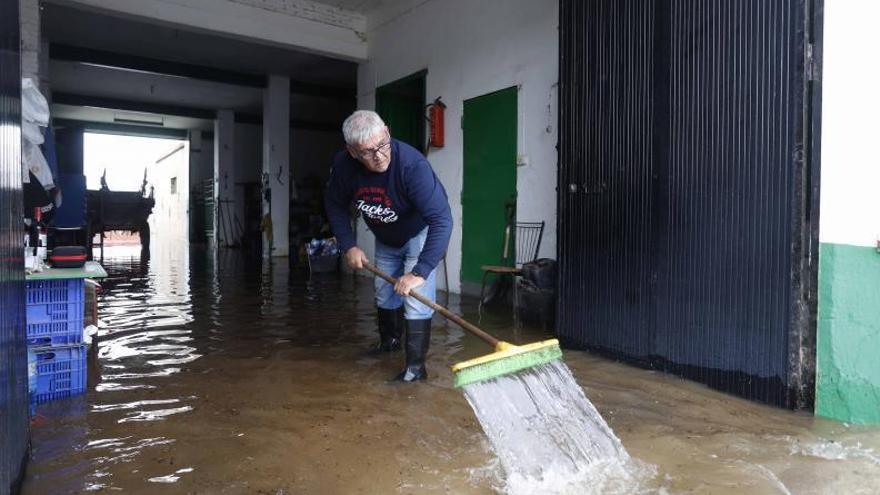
507,358
538,419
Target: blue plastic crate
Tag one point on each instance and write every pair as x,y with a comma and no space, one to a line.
55,291
57,372
55,312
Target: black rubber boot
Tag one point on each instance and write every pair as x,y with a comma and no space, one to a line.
390,329
418,338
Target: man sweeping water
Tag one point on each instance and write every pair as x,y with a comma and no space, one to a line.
546,433
393,187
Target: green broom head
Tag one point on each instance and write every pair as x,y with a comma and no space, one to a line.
506,359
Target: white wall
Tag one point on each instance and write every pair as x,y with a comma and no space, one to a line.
850,184
169,221
470,49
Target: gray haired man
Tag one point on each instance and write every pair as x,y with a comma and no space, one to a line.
395,190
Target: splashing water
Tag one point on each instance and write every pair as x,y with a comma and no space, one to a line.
835,451
549,437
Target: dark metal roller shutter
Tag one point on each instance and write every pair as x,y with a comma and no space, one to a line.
682,233
13,355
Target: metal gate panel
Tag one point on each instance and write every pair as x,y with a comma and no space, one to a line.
13,354
681,188
605,174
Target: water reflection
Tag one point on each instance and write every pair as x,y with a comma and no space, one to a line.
171,478
218,373
145,338
159,317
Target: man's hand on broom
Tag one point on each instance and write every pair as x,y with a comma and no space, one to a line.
358,261
356,258
407,283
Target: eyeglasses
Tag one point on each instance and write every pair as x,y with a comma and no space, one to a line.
374,152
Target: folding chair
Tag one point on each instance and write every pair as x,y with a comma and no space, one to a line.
526,244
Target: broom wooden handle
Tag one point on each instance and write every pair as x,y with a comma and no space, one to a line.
436,307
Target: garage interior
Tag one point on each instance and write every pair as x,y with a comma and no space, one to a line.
173,85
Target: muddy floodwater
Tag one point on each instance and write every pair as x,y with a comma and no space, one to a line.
221,375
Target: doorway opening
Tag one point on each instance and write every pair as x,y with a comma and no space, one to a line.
488,198
401,104
137,188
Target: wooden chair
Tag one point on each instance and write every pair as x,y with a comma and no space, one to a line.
526,244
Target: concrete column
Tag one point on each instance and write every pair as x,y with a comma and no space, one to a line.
276,162
29,12
195,157
43,62
225,227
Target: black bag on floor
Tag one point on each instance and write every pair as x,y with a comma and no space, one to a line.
541,273
536,305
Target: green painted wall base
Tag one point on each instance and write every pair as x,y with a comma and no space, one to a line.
848,346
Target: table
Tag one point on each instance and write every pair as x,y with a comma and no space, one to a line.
91,269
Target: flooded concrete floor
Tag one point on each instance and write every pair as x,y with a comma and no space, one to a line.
225,376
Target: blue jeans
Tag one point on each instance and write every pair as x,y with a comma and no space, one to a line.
395,262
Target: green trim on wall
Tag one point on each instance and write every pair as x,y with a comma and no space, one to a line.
848,347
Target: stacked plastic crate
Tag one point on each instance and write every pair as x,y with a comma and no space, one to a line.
323,255
56,352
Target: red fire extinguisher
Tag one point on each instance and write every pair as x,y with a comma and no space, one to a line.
435,123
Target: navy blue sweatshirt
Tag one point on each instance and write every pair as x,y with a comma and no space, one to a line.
396,204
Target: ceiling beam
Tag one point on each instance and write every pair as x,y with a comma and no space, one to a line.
122,129
131,106
294,29
299,124
103,58
180,111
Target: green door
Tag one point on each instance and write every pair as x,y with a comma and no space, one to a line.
489,126
401,104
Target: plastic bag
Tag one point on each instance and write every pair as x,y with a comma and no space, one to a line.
34,107
31,132
536,305
36,163
89,333
322,247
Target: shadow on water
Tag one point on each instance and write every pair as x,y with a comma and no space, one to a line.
223,374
